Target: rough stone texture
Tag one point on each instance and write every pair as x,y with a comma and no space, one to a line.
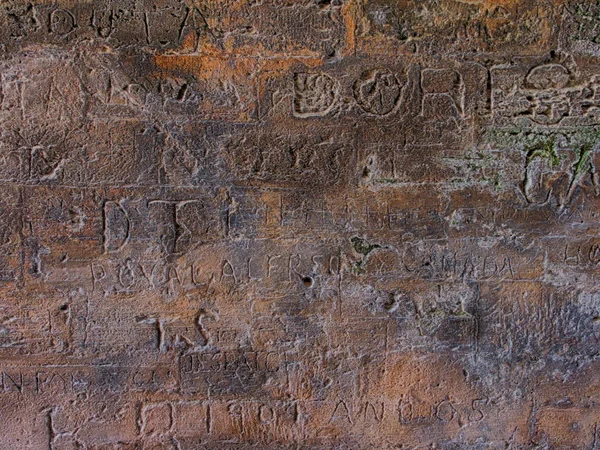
299,224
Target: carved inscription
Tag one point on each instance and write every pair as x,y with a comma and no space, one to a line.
299,224
377,91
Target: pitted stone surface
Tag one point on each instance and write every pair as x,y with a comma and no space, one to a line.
299,224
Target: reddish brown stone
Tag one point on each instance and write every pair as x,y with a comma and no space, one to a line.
307,224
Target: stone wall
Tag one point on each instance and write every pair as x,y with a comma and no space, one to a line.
299,224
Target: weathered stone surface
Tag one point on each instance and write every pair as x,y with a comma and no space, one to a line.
299,224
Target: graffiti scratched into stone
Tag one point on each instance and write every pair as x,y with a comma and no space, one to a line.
299,224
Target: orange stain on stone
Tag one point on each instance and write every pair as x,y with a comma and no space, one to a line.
243,63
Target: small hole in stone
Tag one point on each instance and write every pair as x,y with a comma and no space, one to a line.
308,281
390,304
64,307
